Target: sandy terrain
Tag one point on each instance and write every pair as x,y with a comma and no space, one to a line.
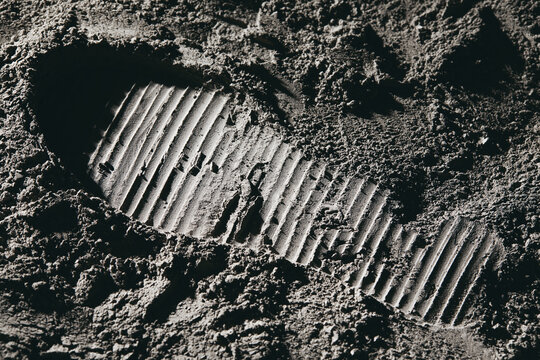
356,181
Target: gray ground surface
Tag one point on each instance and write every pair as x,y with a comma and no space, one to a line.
437,101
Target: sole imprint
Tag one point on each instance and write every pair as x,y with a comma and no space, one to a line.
176,159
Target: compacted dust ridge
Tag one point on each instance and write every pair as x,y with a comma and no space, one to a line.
269,180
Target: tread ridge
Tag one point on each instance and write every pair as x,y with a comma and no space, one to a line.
431,259
140,138
380,282
116,130
206,121
294,195
225,149
441,269
157,158
117,117
394,285
150,143
279,188
231,162
170,155
324,241
169,221
353,224
193,201
127,134
381,234
302,212
305,250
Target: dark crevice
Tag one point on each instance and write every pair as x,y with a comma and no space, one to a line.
229,209
252,222
486,60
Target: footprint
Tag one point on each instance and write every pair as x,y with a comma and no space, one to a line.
174,157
